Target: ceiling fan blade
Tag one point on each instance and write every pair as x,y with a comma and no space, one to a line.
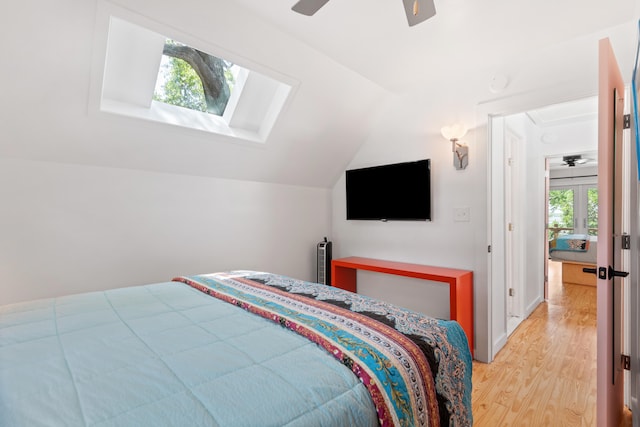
418,10
308,7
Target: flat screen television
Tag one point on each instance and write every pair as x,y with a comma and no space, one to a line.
394,192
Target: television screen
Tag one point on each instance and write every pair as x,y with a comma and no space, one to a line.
400,191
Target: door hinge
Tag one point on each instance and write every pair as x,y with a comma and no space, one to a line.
511,292
489,248
510,227
626,241
626,121
626,362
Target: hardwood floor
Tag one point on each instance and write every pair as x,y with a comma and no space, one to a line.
546,374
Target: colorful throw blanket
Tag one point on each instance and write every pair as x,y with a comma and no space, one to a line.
417,369
570,242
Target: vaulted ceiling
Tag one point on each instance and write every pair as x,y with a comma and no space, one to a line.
356,65
373,38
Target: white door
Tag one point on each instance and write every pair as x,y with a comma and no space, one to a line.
546,231
514,228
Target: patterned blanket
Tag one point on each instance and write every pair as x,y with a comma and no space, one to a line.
417,369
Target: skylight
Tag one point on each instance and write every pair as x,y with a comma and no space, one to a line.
193,79
154,77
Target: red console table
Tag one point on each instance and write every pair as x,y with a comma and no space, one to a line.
343,276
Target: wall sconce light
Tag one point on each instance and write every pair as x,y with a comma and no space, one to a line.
460,151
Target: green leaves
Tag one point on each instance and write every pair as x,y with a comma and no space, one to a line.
592,211
182,86
561,208
562,202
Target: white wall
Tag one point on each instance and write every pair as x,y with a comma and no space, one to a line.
440,242
69,228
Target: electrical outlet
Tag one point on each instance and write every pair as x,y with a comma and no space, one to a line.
462,214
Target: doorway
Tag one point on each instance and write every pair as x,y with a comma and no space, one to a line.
572,216
518,255
543,144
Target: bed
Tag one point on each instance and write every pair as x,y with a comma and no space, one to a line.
236,348
575,252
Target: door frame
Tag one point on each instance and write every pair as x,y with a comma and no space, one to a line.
493,114
487,115
634,283
633,379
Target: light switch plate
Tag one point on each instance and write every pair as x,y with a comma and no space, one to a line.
462,214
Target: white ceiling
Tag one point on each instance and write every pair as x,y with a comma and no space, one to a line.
362,75
568,128
373,38
578,111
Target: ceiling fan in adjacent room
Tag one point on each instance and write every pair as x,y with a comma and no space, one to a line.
574,160
417,11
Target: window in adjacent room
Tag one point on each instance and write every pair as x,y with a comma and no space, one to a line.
573,209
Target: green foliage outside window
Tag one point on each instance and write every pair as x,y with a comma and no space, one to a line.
592,211
561,209
182,87
193,79
561,215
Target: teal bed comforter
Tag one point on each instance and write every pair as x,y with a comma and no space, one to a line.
218,350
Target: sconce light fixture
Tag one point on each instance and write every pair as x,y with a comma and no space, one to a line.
460,151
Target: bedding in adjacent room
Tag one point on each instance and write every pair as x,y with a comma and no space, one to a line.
575,248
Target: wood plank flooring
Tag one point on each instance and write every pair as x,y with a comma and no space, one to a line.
546,374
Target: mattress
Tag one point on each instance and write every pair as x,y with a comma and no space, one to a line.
174,354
